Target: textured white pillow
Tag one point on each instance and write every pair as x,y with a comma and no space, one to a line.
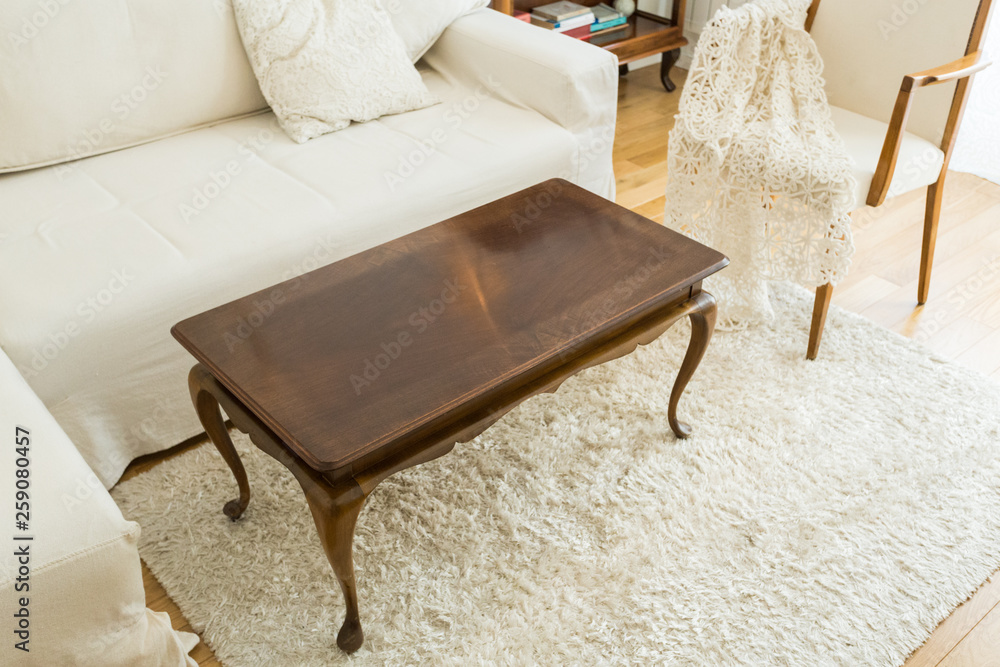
421,22
324,63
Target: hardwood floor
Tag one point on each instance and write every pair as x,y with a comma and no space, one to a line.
960,321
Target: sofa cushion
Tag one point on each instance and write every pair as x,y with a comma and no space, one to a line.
85,598
119,247
420,23
324,63
83,78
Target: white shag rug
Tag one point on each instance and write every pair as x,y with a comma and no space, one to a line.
823,513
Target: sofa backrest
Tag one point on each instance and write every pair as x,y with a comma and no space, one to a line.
84,77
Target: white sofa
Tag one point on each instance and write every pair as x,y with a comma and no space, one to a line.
82,594
194,197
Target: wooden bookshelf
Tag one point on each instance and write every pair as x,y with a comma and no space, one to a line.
644,35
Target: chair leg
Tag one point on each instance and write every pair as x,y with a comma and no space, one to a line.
932,214
820,307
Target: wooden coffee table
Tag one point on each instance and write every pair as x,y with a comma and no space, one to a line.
387,359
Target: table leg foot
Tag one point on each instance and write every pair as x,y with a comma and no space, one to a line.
351,637
234,508
702,325
210,416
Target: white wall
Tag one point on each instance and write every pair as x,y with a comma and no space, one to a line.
979,135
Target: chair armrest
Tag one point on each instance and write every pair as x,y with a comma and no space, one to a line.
569,82
959,70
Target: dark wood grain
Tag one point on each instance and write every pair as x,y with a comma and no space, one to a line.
403,339
703,312
336,502
464,320
206,403
334,507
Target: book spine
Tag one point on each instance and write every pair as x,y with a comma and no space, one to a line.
561,27
575,22
594,27
556,18
542,23
582,32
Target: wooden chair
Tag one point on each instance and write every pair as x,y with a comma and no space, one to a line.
867,45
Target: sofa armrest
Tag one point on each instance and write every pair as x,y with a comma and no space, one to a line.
572,83
78,585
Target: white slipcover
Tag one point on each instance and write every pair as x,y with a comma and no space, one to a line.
572,83
84,78
98,258
86,603
420,23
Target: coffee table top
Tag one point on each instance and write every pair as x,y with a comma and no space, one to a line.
396,340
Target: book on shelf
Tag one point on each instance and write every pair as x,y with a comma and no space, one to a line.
576,20
597,26
560,11
604,13
585,33
522,15
583,20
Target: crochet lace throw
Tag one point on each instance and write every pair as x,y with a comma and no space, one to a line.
756,169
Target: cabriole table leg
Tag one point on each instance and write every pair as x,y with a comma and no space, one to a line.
335,507
702,326
207,406
335,511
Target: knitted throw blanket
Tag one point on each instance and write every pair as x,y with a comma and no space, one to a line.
755,167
